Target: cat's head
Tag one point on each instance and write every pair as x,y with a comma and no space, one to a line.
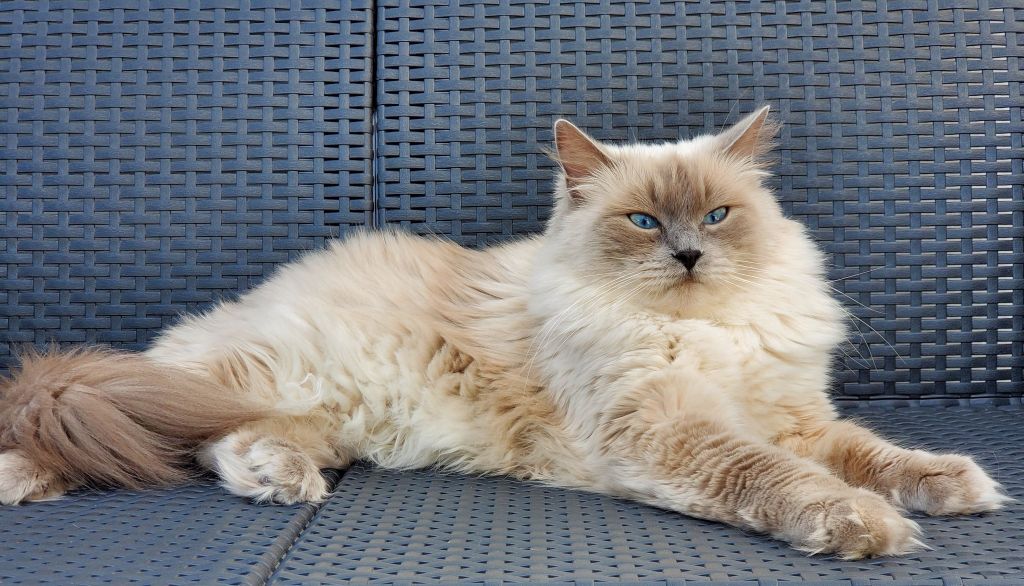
669,217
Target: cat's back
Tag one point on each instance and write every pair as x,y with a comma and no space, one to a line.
372,293
375,271
366,272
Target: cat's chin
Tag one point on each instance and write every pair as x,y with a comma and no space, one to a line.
682,293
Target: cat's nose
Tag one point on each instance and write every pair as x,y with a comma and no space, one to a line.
688,258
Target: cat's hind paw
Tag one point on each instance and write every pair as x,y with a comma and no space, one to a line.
266,469
22,480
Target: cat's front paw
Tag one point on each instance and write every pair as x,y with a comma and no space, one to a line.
857,525
947,484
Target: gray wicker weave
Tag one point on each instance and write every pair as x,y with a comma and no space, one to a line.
158,156
197,534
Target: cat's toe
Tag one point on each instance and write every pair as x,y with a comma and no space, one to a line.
859,525
950,484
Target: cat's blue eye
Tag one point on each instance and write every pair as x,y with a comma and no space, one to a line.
716,215
644,221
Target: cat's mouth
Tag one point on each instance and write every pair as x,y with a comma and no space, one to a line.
691,278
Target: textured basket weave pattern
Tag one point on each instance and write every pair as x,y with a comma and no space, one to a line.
156,159
159,158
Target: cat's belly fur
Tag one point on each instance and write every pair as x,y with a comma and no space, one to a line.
391,389
399,396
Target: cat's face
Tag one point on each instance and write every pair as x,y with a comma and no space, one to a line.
667,217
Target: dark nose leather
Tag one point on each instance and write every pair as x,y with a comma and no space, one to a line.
688,258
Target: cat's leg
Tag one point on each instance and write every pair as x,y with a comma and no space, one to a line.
938,484
673,444
274,461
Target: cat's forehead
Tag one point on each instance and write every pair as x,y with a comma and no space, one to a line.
678,178
665,151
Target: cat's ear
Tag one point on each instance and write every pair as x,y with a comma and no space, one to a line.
579,155
750,138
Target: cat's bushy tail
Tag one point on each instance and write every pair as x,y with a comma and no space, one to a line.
102,417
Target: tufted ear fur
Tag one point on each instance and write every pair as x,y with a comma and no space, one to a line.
750,138
579,155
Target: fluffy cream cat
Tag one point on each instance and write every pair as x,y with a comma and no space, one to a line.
667,339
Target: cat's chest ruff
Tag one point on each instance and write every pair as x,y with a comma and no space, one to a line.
765,352
771,376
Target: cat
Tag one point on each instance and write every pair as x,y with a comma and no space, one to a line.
667,339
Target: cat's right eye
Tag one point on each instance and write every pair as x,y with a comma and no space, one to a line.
645,221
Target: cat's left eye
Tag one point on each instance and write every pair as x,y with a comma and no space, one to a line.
716,215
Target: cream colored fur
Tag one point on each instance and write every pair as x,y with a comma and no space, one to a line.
586,357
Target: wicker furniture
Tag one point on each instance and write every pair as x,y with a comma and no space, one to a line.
160,156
